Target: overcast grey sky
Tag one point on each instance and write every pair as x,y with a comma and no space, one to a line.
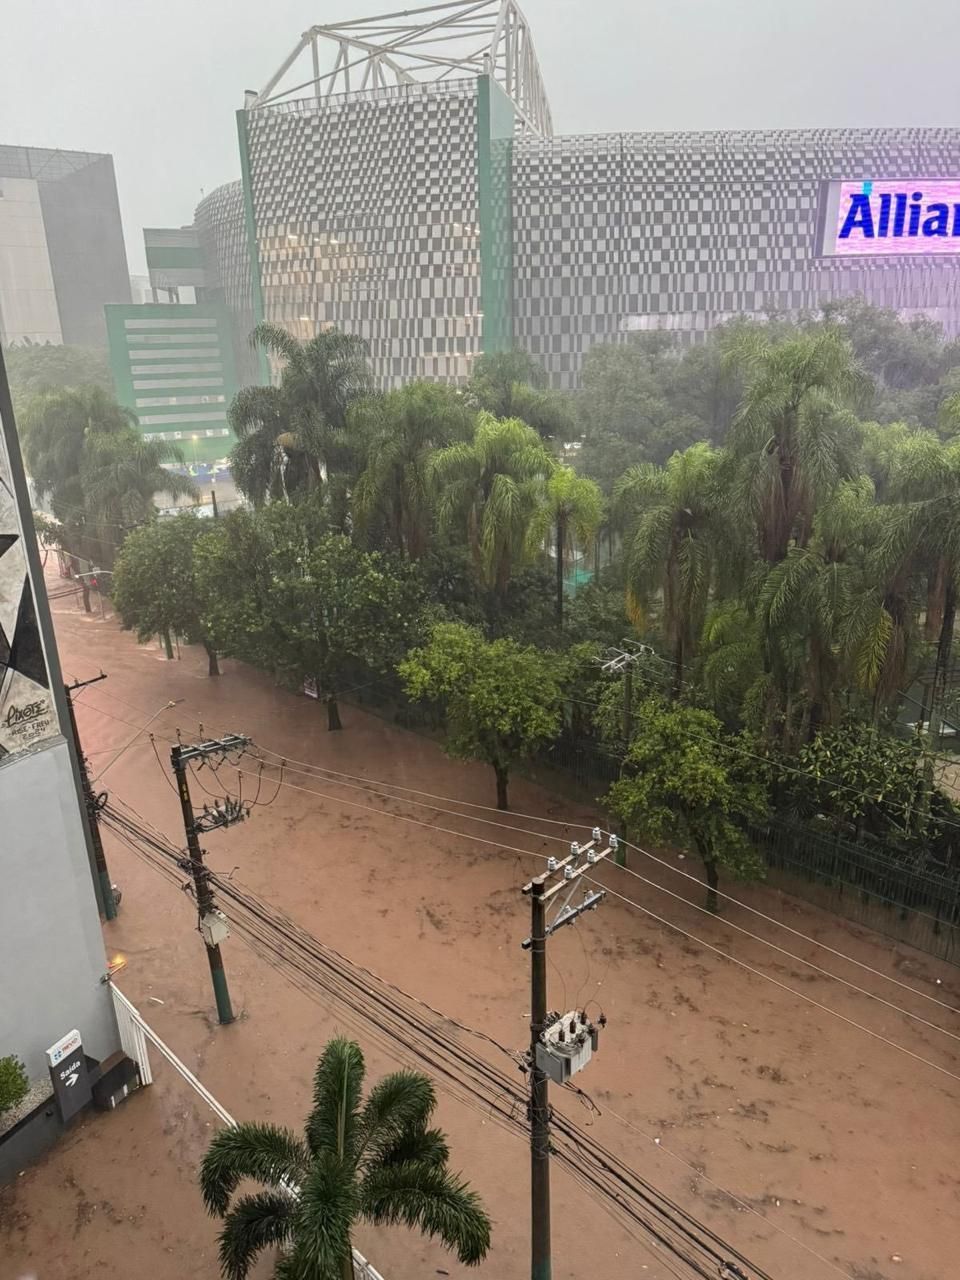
157,84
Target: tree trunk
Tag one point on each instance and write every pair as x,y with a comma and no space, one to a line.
561,543
168,644
676,687
941,671
503,777
936,589
346,1266
333,713
713,883
85,592
213,667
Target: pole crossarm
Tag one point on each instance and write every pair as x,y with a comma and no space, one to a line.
419,46
581,859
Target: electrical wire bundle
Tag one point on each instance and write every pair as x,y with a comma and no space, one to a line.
408,1027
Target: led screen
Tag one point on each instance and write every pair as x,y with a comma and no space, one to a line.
866,219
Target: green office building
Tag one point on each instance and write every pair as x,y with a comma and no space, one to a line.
173,365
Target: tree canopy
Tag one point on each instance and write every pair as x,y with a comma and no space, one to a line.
684,782
500,700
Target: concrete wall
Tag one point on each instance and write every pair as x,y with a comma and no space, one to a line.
28,302
51,949
81,213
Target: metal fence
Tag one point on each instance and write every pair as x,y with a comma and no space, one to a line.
881,891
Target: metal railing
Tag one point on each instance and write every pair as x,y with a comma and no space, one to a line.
134,1034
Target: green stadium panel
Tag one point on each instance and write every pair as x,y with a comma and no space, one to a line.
173,366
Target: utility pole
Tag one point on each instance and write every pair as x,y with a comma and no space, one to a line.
621,662
213,923
91,805
560,1044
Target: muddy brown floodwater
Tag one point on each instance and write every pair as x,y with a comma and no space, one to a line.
813,1146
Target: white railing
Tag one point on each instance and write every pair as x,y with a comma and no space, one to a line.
134,1034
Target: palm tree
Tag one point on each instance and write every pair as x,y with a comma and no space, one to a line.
572,512
400,431
292,435
795,436
101,476
55,425
258,416
492,487
377,1161
674,527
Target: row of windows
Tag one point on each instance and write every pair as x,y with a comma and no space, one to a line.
159,384
181,353
206,434
149,402
176,368
158,419
169,324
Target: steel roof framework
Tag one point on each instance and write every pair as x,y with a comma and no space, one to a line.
455,39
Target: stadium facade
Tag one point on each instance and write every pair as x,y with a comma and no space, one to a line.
413,193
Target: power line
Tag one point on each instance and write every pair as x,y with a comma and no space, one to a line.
530,854
739,928
675,1229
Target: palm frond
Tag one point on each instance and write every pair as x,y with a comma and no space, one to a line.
263,1152
398,1105
432,1200
254,1223
327,1207
337,1087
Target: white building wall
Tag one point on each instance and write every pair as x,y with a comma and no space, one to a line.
28,302
51,947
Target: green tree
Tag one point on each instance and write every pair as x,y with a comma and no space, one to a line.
233,580
570,516
490,489
101,477
33,367
500,701
306,603
155,587
499,376
376,1161
293,436
685,781
401,430
795,435
674,528
865,783
260,418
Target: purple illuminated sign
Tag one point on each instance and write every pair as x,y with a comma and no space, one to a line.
893,216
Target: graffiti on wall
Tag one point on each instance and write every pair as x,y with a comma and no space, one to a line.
27,711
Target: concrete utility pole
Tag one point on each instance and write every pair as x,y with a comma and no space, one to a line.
91,806
213,923
560,1044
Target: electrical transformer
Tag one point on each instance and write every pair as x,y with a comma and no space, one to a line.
566,1045
214,928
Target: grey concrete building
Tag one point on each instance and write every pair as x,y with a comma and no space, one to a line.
51,947
62,255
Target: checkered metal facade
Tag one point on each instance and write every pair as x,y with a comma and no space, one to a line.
626,232
378,212
366,210
221,229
